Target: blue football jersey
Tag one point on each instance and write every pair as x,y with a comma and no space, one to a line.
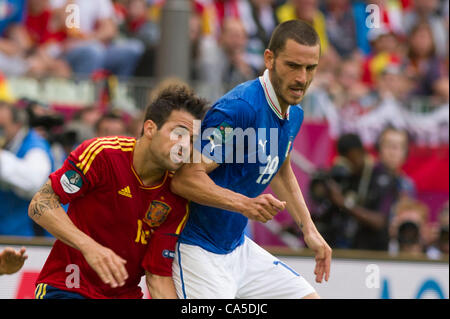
247,135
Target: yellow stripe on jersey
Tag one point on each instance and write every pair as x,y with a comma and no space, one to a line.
89,150
86,159
99,140
183,221
101,148
100,144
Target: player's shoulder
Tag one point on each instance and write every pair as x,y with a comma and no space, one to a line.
109,144
296,112
241,101
101,149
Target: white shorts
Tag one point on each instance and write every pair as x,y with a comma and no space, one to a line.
248,272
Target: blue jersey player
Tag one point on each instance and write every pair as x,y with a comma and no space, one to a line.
245,143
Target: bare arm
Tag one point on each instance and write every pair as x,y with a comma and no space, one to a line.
45,209
160,287
286,188
192,182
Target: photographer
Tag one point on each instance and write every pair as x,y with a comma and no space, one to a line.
358,196
25,163
408,227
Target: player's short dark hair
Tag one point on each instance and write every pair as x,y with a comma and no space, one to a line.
175,98
297,30
348,142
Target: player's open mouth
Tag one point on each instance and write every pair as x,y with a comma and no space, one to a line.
297,92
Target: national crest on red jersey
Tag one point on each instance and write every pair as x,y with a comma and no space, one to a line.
157,213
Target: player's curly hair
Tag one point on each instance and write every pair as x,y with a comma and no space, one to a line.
175,98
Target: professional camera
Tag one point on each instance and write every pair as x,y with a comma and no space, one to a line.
318,186
408,233
337,228
39,115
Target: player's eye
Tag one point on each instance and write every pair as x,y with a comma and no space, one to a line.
292,65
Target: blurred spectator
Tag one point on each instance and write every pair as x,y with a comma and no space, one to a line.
225,62
92,46
46,34
441,241
307,10
111,124
423,64
394,84
427,11
385,51
258,17
135,126
13,41
392,147
214,12
83,123
340,26
137,23
362,194
408,227
16,57
25,163
351,96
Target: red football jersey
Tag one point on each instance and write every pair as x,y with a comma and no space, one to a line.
108,201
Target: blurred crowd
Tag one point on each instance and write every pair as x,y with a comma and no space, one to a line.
401,49
397,53
367,202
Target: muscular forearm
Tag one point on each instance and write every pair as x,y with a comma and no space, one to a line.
46,211
160,287
286,188
194,184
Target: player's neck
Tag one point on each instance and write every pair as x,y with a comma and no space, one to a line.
144,165
283,105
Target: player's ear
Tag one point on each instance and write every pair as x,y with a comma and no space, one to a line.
269,59
149,128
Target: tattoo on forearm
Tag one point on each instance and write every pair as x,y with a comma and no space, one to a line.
45,200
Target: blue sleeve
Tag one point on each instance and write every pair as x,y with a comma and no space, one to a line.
218,127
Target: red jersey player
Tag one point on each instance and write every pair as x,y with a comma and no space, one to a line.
122,219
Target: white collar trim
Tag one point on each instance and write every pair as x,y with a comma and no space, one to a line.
271,97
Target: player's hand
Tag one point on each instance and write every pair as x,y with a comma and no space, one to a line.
11,261
108,265
262,208
323,252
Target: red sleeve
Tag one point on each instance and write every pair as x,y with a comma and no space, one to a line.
80,172
161,248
